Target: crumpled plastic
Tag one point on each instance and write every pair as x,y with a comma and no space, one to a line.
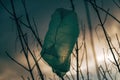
60,40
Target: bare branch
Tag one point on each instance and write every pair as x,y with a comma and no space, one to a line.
105,33
5,8
73,7
118,40
22,78
17,62
116,3
67,76
105,11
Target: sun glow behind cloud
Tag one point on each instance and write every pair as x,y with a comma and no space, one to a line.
101,48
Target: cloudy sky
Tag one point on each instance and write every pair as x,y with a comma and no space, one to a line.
42,10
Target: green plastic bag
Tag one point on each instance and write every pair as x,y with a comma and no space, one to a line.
60,40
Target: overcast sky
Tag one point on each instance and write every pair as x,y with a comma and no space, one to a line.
42,10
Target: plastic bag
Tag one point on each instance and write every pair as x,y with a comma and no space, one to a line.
60,40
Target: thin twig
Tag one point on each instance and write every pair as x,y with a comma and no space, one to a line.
73,7
118,40
29,23
72,75
102,72
20,33
105,33
17,62
5,8
82,74
67,77
86,60
22,78
77,60
91,38
77,49
116,3
104,11
106,66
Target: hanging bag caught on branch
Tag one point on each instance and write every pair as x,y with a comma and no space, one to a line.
60,40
